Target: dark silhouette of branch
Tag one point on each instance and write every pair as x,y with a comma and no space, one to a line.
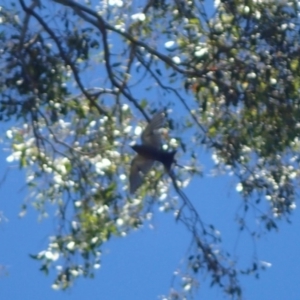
65,57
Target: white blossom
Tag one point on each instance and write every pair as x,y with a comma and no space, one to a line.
71,245
239,187
138,17
176,60
9,134
138,130
118,3
169,44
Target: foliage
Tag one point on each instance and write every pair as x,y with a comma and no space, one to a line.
75,78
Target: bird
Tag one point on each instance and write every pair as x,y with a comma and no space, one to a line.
148,152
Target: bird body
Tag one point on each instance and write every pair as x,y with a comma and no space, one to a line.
152,153
148,152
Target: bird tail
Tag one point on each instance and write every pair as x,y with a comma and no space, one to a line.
169,159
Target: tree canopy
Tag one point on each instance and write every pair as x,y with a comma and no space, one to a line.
80,79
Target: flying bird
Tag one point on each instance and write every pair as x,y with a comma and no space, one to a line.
148,152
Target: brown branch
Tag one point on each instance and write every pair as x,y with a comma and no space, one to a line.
111,75
99,20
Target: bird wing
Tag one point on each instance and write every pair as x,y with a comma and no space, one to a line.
140,166
150,135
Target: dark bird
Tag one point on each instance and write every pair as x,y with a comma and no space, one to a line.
148,152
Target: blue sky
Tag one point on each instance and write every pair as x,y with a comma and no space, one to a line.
140,266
